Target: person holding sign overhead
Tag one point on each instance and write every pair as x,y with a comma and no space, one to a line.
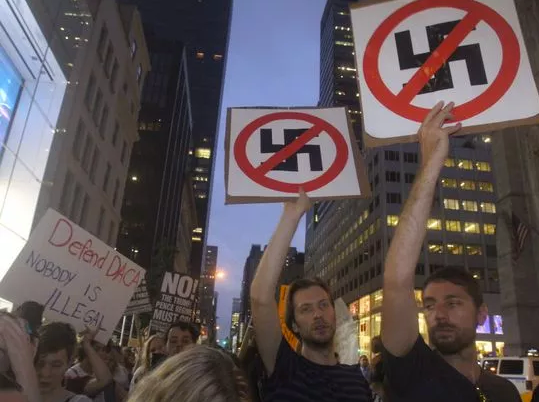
315,373
452,301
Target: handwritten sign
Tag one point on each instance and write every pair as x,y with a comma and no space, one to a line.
176,301
78,278
140,302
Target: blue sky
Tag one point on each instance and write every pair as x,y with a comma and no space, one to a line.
273,60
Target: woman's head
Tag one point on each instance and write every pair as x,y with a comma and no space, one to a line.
57,342
154,344
199,374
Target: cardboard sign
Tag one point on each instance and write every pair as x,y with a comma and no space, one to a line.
176,301
79,279
272,153
140,302
412,54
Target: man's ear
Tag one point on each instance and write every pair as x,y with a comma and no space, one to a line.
482,314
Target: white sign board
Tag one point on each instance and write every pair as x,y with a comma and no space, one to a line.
271,153
412,54
74,275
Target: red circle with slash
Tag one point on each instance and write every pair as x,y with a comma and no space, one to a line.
259,174
476,12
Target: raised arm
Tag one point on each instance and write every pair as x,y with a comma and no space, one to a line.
399,310
264,306
102,374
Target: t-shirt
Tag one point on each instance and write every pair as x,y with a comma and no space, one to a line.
424,376
297,379
76,379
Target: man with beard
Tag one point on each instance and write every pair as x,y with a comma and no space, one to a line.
452,301
313,374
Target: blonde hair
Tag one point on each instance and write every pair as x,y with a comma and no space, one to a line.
144,360
199,374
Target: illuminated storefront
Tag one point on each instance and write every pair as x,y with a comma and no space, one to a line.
367,312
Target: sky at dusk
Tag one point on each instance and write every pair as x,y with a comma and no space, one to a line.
273,60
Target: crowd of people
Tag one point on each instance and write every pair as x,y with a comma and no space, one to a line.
47,363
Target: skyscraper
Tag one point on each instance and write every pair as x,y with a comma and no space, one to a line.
346,241
207,296
249,270
235,323
203,27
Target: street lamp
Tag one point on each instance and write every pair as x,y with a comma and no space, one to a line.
220,274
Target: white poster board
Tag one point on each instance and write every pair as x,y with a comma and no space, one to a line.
412,54
272,152
77,278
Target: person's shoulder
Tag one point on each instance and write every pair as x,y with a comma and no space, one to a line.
500,385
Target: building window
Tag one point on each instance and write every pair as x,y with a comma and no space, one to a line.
200,55
114,76
393,198
491,250
485,186
112,229
103,36
108,60
100,221
474,250
90,89
93,165
75,204
488,207
106,178
77,141
217,57
451,204
116,192
455,249
134,48
467,185
103,122
376,159
471,227
449,162
115,133
392,155
376,180
489,229
449,183
343,43
86,152
84,211
434,224
483,166
203,153
465,164
436,248
124,153
66,192
393,176
97,106
470,206
409,178
410,157
452,226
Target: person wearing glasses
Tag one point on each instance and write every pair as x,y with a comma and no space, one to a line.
452,301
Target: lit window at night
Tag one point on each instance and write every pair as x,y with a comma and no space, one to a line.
434,224
449,183
455,249
199,230
470,206
485,186
204,153
465,164
483,166
436,248
200,55
467,185
217,57
452,226
342,43
341,93
196,238
474,250
449,162
471,227
488,207
489,229
451,204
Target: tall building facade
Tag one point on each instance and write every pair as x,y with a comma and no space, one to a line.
249,270
159,203
235,323
203,26
88,169
346,241
207,296
70,89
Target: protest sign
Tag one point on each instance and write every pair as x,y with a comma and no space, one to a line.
77,278
140,302
176,301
